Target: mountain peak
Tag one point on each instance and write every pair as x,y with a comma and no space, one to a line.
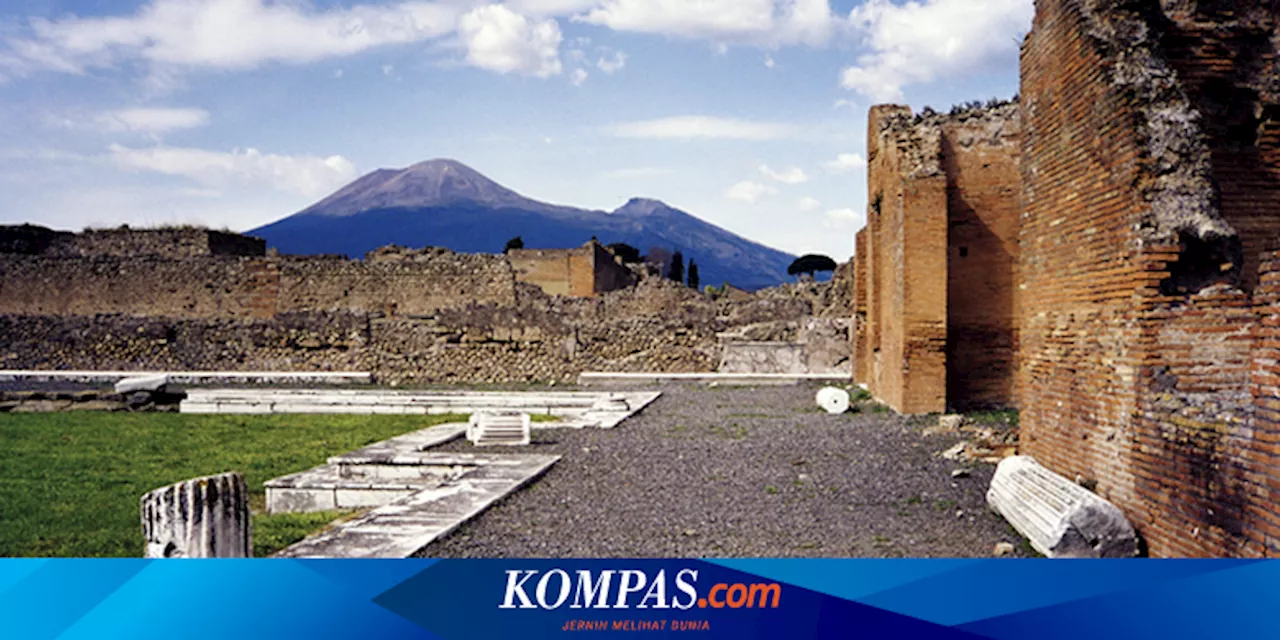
433,183
643,207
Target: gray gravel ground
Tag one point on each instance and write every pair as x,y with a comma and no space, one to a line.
741,472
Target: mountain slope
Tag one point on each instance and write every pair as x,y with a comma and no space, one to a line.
444,203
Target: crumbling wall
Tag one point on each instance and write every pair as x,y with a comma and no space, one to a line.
584,271
168,242
194,287
394,280
936,296
659,326
1138,246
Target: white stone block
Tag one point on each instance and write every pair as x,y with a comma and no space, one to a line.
486,429
1060,518
152,383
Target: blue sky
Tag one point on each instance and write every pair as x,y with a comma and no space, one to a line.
750,114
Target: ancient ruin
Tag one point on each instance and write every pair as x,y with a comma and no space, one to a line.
192,300
1142,285
935,263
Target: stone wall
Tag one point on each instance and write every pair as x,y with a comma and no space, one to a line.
585,271
168,242
1151,164
936,281
657,326
173,275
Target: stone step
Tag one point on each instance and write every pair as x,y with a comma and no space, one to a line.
600,409
488,429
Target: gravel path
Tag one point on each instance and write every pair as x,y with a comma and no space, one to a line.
741,472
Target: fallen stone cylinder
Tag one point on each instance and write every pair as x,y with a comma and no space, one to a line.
199,518
833,400
1060,518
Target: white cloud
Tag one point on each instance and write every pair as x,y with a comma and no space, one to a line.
845,103
794,175
841,218
309,176
917,42
807,204
688,127
501,40
225,34
759,22
553,8
610,65
847,162
768,61
749,192
338,73
152,120
578,77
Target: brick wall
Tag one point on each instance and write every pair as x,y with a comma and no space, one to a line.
980,156
861,370
907,261
936,292
1145,363
584,271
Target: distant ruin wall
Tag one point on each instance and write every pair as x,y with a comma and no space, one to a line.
221,287
394,282
175,243
585,271
1145,364
658,326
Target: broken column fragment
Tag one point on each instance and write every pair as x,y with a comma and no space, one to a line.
1060,518
199,518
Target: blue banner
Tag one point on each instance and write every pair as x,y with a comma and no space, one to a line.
472,599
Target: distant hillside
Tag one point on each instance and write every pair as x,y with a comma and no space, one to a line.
445,203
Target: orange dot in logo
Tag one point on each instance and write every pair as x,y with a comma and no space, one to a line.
702,603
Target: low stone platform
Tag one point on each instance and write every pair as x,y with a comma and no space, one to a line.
417,495
577,409
406,526
192,377
588,379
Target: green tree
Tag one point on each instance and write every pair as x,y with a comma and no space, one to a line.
676,272
810,264
514,243
693,274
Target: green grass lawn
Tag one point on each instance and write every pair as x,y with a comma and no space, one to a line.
70,482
